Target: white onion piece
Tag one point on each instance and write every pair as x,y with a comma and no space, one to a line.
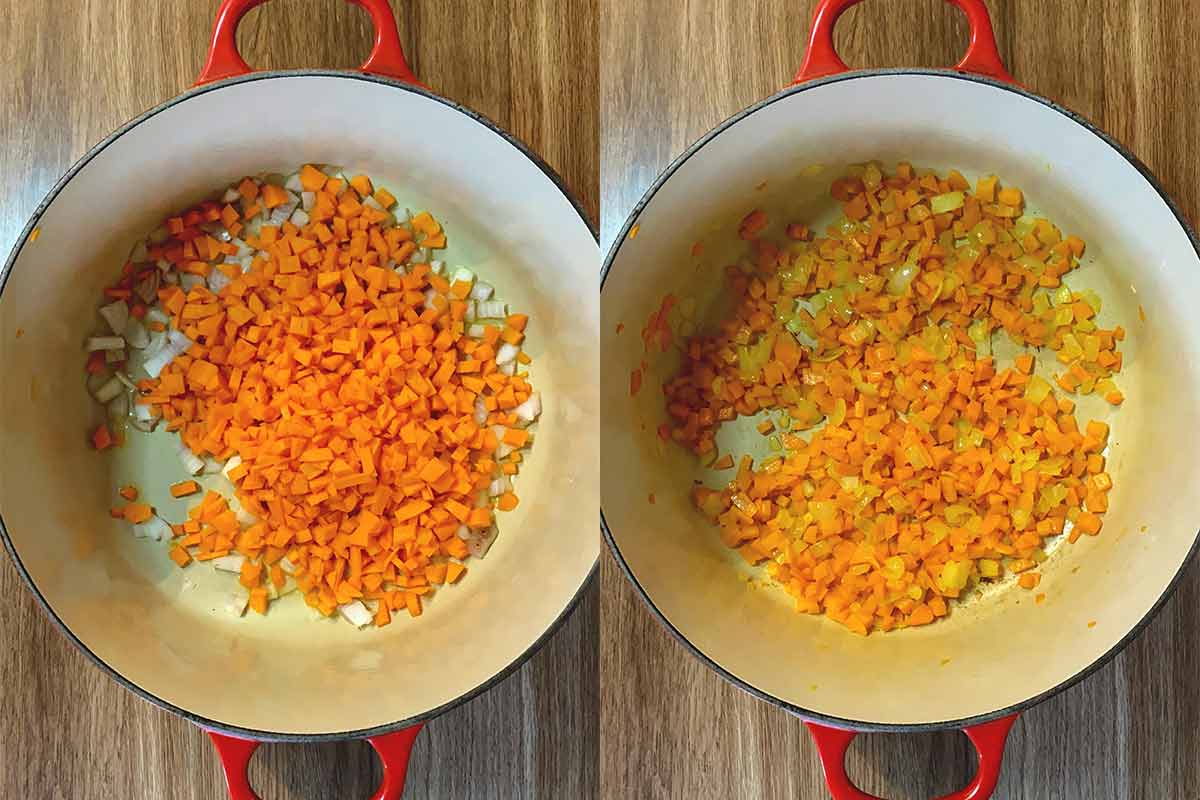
231,195
211,466
299,218
531,409
508,369
179,342
105,343
463,274
293,183
156,314
286,566
479,544
503,450
142,413
140,253
135,334
110,389
164,265
481,412
114,356
237,603
233,463
356,613
171,278
308,200
437,267
155,364
500,486
476,330
492,309
244,517
147,288
118,407
469,316
189,281
153,528
218,280
125,379
429,295
482,291
230,563
507,354
191,462
116,314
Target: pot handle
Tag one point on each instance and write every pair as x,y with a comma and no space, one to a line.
393,749
821,58
224,60
988,739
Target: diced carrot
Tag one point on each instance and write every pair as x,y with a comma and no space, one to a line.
922,466
350,404
184,488
102,437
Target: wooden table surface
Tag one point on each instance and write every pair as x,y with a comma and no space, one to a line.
73,71
673,70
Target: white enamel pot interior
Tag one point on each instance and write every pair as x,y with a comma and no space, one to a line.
289,674
993,655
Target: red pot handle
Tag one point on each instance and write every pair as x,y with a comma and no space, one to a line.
393,749
988,738
821,58
224,60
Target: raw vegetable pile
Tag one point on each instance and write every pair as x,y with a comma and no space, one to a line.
366,407
935,467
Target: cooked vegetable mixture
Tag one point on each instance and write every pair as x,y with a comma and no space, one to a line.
908,465
366,407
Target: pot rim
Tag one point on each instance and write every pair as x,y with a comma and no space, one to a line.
23,239
746,685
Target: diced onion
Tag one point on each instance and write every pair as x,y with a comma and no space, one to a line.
116,314
499,486
231,195
507,353
947,202
463,274
491,309
901,279
105,343
482,291
154,528
218,280
230,563
135,334
191,462
528,411
233,463
110,389
481,412
356,613
118,407
293,183
189,281
479,544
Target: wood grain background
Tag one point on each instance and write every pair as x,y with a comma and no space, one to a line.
671,70
71,72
